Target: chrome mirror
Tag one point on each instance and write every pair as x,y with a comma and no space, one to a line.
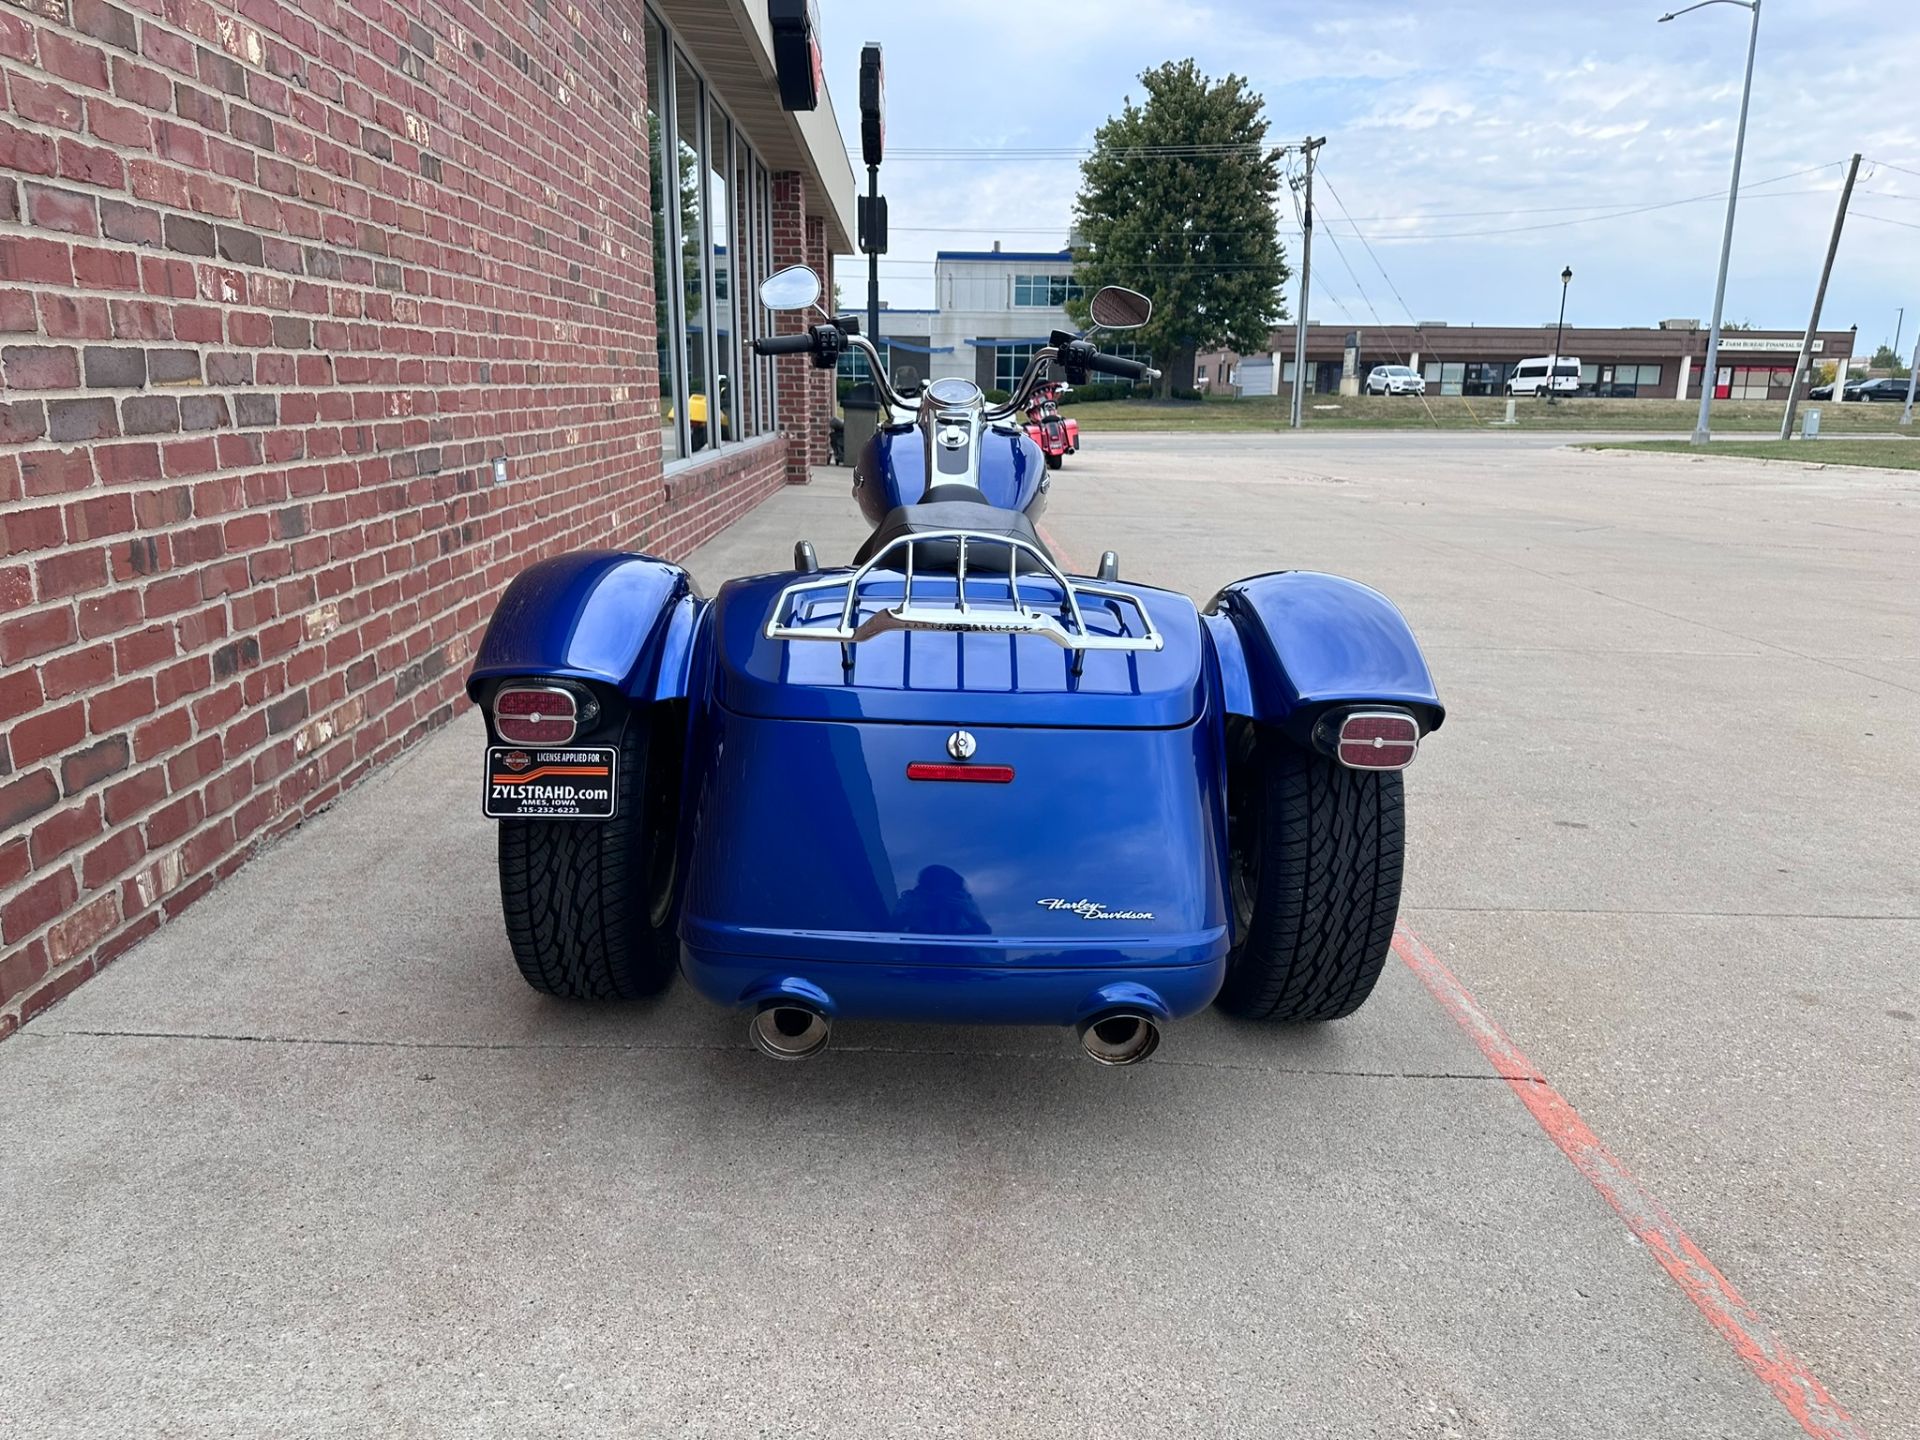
1114,308
795,288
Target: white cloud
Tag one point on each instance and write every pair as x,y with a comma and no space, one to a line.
1432,110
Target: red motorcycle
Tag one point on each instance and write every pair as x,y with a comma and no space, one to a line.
1057,435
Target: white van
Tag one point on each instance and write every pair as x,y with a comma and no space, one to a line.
1530,376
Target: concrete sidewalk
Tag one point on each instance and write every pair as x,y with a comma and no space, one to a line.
313,1160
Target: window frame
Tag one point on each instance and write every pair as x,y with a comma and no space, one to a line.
749,264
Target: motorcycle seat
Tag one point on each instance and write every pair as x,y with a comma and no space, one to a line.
939,514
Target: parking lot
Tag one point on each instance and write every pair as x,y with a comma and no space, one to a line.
313,1160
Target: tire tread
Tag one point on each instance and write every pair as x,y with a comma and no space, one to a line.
1328,890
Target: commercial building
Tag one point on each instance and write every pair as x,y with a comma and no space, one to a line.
318,324
1662,361
995,309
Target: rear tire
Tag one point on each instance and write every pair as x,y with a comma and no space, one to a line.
588,902
1316,857
1055,461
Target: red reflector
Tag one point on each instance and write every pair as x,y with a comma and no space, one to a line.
1394,729
1378,740
979,774
535,715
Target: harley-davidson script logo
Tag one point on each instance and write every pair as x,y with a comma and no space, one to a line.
1094,910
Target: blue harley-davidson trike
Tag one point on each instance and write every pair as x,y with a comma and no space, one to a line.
949,781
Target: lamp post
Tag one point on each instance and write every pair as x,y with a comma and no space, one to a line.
1553,365
1701,434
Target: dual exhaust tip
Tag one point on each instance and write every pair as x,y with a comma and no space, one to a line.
799,1032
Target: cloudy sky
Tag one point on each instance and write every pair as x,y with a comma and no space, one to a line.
1478,145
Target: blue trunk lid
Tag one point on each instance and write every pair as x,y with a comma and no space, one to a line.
939,677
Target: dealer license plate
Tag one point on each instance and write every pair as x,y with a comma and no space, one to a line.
524,783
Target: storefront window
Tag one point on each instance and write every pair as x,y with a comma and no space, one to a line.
1483,377
666,344
746,303
726,259
712,241
769,392
693,229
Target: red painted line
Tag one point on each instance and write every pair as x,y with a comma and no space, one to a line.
1755,1341
1060,554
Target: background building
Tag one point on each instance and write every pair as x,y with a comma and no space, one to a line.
1662,361
996,308
318,324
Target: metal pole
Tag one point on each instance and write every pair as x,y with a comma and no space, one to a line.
1819,299
1913,373
873,256
1702,434
1553,365
1899,325
1306,273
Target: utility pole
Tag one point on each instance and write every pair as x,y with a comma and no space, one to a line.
1560,329
1899,324
1819,299
1701,434
1306,275
1913,374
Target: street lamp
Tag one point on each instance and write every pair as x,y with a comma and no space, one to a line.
1701,434
1553,365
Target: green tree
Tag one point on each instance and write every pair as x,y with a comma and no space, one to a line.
1177,201
1885,359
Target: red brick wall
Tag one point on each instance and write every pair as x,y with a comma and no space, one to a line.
279,284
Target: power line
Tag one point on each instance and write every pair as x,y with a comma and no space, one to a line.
1901,168
1614,211
1077,152
1886,220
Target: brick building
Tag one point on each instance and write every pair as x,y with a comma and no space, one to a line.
318,322
1662,361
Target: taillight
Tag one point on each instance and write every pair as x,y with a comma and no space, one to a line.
978,774
535,715
1377,740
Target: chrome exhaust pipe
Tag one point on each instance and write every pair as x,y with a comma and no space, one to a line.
1120,1037
789,1032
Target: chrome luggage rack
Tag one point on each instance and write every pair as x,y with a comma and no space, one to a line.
1001,614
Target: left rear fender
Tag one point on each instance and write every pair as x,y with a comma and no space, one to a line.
620,622
1294,645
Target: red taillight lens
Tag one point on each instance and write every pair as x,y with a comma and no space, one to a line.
535,715
1378,740
978,774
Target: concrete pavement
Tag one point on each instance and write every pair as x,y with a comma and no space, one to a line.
313,1160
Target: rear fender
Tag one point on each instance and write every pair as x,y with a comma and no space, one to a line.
618,625
1295,645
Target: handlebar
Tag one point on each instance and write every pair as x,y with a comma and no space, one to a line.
1119,365
800,344
1084,357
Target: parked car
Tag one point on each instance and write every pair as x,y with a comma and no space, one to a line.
1880,389
1825,392
1395,380
1530,376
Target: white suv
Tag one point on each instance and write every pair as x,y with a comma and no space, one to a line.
1395,380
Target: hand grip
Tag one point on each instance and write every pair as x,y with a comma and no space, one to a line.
783,345
1122,367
